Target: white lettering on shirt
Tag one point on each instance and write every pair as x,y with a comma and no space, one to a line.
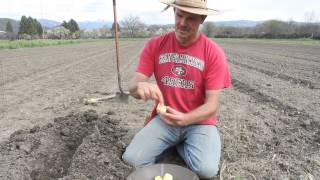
182,58
177,82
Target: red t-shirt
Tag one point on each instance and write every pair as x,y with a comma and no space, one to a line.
183,74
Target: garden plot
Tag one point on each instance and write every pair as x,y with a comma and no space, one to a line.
268,120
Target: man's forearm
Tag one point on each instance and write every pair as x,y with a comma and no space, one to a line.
201,113
205,111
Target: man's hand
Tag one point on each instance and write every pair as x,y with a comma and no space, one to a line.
174,118
146,91
140,88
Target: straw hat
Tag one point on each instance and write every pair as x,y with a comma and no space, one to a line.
191,6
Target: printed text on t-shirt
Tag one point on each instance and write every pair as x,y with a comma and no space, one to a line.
182,58
177,82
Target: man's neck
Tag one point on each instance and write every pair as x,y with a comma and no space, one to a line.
187,43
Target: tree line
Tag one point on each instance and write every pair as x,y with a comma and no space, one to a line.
67,30
267,29
133,27
30,28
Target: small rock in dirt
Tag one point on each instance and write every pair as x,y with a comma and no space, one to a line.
108,130
119,174
58,119
104,160
35,129
25,147
111,113
110,120
294,113
306,123
90,115
47,126
65,132
283,166
16,133
120,144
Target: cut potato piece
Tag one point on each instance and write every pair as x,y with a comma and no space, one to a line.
158,178
161,109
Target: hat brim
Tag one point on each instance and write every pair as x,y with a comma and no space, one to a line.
199,11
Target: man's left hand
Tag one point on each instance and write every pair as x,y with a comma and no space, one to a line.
174,118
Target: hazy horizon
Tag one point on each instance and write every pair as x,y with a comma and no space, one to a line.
149,11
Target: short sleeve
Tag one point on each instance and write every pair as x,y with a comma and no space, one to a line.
146,59
217,75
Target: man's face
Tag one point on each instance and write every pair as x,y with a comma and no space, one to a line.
186,26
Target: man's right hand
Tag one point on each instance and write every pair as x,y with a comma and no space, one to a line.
147,91
140,88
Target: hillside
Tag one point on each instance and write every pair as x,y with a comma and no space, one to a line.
49,23
94,24
82,24
237,23
14,23
100,23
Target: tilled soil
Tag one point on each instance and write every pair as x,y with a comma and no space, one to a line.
269,119
77,145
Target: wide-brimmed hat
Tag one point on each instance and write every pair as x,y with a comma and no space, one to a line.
191,6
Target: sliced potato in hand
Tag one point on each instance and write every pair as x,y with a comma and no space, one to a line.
161,109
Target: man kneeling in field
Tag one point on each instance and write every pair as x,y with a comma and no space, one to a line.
190,71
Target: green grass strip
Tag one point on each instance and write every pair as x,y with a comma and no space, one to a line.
4,44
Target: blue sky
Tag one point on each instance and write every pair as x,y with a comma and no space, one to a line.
149,10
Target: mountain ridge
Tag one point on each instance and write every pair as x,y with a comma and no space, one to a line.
101,23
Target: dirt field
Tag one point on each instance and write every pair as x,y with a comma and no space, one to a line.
269,119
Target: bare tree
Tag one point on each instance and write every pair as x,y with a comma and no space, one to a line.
310,17
133,25
310,28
